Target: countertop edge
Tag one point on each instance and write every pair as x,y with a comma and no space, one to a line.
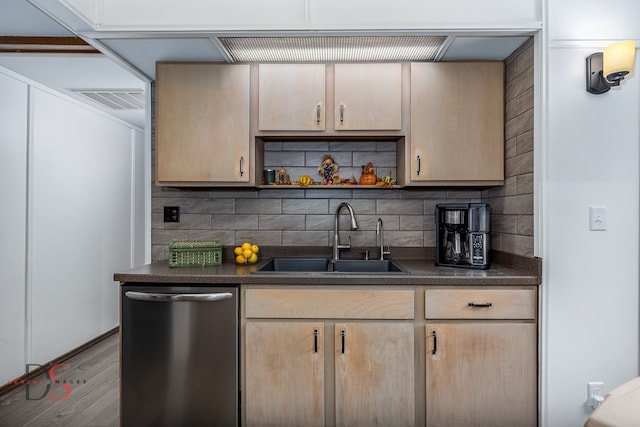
421,272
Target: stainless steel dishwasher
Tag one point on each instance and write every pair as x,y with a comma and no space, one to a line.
179,356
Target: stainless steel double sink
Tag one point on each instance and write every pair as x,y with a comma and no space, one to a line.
327,265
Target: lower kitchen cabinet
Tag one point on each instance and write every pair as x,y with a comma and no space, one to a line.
349,356
284,373
363,376
481,355
374,374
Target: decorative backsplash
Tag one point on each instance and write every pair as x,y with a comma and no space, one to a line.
303,217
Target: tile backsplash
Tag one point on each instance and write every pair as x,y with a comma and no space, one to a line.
512,220
299,217
302,217
300,158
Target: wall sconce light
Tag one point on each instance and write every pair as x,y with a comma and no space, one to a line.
605,70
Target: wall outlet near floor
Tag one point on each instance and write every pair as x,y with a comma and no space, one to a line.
597,218
595,393
172,214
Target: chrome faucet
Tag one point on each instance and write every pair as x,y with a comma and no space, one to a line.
337,246
380,239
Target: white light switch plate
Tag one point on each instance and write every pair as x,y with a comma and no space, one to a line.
597,218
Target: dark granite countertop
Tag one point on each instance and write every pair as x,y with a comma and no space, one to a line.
505,270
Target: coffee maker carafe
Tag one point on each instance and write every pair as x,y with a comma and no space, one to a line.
462,235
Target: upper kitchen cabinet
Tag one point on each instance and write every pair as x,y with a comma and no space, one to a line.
457,124
202,124
368,96
291,97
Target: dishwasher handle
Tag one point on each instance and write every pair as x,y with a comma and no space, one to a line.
156,297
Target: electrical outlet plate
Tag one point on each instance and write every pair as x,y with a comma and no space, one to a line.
172,214
597,218
595,393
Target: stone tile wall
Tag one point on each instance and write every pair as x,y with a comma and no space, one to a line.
304,217
301,158
512,205
298,217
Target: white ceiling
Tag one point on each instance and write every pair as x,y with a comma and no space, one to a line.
130,60
63,72
19,18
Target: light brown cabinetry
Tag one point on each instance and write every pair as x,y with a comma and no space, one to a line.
457,124
291,97
481,357
374,377
368,96
362,376
284,373
202,124
447,118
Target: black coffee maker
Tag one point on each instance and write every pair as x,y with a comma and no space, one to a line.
462,235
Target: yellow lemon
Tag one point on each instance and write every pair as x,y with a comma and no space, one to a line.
241,259
247,253
246,245
253,258
255,249
238,251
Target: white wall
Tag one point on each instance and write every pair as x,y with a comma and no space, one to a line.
74,208
590,156
80,223
13,210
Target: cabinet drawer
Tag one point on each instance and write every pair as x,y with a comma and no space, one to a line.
332,304
480,304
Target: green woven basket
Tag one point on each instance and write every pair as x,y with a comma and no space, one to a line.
195,253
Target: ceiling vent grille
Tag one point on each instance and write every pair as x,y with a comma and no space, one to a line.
333,48
123,99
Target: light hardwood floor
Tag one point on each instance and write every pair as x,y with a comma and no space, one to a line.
91,403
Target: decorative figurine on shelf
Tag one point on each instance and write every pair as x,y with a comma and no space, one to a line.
368,176
328,170
283,176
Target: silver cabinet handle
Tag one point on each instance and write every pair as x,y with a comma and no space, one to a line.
418,170
318,115
156,297
341,114
241,166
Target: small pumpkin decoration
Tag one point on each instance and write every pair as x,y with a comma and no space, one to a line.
368,176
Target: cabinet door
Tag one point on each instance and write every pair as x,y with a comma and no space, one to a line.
457,123
202,123
368,96
374,374
284,373
291,97
481,374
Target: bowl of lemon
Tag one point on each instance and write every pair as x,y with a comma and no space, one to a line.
246,253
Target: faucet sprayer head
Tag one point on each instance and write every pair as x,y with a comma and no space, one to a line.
352,216
354,223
